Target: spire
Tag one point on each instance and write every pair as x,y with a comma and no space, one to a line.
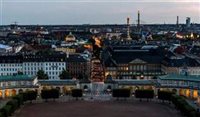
128,29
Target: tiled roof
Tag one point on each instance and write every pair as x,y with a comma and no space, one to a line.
11,59
180,62
122,57
75,58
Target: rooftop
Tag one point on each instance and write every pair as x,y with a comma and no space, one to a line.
57,82
134,82
180,77
16,78
4,46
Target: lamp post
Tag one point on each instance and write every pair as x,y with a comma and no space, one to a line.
142,76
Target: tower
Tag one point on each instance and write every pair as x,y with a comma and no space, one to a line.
138,21
128,29
188,22
177,21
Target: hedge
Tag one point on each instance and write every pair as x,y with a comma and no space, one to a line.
165,95
77,93
29,95
14,105
1,114
6,110
148,94
48,94
19,98
182,105
125,93
55,93
16,101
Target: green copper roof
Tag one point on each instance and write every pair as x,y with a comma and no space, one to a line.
180,77
57,82
16,78
134,82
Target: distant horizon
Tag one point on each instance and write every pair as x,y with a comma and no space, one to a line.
77,12
93,24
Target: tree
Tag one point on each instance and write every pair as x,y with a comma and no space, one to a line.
144,93
80,77
20,73
41,75
65,75
45,94
29,96
165,95
6,110
14,105
77,93
121,93
52,93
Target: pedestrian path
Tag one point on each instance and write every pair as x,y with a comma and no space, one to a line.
96,97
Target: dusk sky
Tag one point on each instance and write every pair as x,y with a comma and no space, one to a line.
96,11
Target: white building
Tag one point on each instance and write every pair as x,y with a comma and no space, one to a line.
52,69
52,65
10,65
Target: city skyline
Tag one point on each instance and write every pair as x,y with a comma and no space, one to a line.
97,12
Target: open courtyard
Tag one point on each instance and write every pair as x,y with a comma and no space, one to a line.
98,109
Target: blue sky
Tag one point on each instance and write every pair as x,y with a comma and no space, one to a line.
96,11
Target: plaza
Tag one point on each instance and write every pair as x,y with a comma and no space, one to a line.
98,109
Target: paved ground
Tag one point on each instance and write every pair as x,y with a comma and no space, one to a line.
97,109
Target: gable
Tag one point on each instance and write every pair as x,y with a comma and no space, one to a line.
138,61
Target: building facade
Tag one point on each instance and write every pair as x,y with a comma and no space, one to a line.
132,63
78,65
12,85
11,65
52,65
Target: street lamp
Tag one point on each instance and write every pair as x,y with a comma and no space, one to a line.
142,77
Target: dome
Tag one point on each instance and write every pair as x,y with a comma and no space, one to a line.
70,37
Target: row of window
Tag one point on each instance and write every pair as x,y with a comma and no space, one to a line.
30,68
135,77
144,73
179,83
47,64
49,73
15,83
8,74
10,65
47,68
32,64
10,69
